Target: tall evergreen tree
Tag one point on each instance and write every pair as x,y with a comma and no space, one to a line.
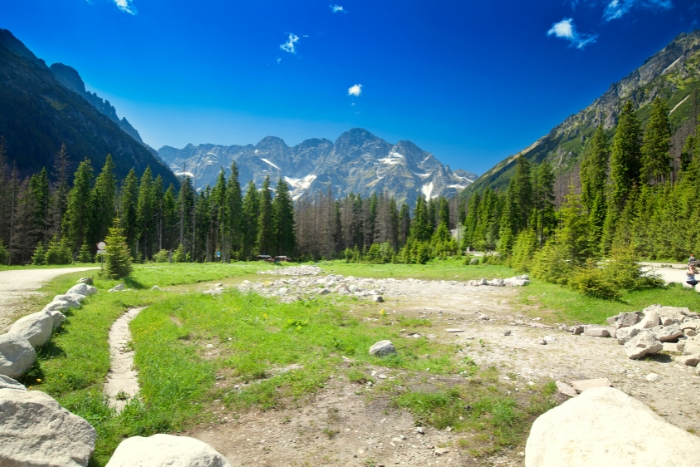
128,210
656,156
146,213
76,222
594,168
625,158
283,219
234,223
421,227
103,203
266,229
251,215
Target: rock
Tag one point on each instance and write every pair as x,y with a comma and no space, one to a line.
690,324
155,287
484,317
564,328
36,431
690,332
474,261
382,348
611,320
594,331
565,389
378,299
80,289
540,341
165,450
420,430
220,284
644,343
324,292
626,319
605,427
625,334
575,330
668,333
117,288
670,347
507,332
454,330
651,377
16,355
73,300
92,290
57,318
441,451
36,328
651,319
85,280
549,339
612,330
670,313
8,383
586,384
689,360
57,305
691,347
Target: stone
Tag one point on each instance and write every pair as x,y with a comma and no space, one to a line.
117,288
612,320
382,348
36,431
550,339
565,389
16,355
57,318
80,289
644,343
612,330
454,330
73,300
540,341
690,332
651,319
671,347
586,384
625,334
57,305
378,299
690,324
626,319
420,430
36,328
668,333
651,377
441,451
324,292
691,347
689,360
8,383
85,280
671,313
575,330
507,332
155,287
595,331
605,427
92,290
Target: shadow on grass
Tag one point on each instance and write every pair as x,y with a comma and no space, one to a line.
133,283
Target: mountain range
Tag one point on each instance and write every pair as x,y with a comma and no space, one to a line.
673,74
44,107
357,162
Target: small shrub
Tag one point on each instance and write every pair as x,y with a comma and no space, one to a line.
550,264
117,258
39,256
84,255
179,256
594,282
161,257
524,250
59,252
4,255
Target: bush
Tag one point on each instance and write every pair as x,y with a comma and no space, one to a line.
4,255
161,257
179,256
39,256
118,256
624,271
593,281
59,252
524,250
84,255
550,264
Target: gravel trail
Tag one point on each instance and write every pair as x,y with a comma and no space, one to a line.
17,284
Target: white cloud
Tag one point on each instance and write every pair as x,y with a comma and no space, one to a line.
125,6
355,90
279,60
566,30
289,45
337,9
618,8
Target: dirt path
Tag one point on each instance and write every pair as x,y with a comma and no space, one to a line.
366,430
122,380
17,284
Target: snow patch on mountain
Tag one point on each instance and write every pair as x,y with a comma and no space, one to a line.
299,185
392,159
427,190
273,165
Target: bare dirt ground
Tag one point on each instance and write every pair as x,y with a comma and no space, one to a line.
345,425
17,284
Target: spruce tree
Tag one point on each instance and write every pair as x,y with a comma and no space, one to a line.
544,217
103,202
283,219
76,222
117,259
656,157
234,222
625,158
145,214
128,209
573,236
594,168
266,229
251,215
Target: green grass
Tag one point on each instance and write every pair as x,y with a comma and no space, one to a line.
571,307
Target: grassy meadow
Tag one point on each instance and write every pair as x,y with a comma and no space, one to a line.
193,349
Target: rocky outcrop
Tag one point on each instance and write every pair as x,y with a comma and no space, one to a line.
604,427
165,450
36,431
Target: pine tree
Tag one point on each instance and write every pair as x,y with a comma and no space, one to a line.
251,215
170,219
573,235
59,201
656,157
594,169
117,261
625,158
76,222
128,209
522,195
421,227
266,229
544,217
283,219
103,202
145,214
234,222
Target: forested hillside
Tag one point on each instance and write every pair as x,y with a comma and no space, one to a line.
672,74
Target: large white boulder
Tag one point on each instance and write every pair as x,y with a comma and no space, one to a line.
80,289
36,328
58,318
57,305
165,450
604,427
644,343
16,355
8,383
72,299
36,431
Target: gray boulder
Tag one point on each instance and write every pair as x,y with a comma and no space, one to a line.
626,319
73,300
117,288
382,348
57,305
36,328
85,280
8,383
58,318
596,331
690,347
36,431
92,290
625,334
80,289
165,450
605,427
690,324
668,333
651,318
16,355
644,343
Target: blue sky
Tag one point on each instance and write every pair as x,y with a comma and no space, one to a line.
472,82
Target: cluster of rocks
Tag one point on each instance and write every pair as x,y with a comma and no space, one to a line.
294,271
295,289
517,281
17,346
657,328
